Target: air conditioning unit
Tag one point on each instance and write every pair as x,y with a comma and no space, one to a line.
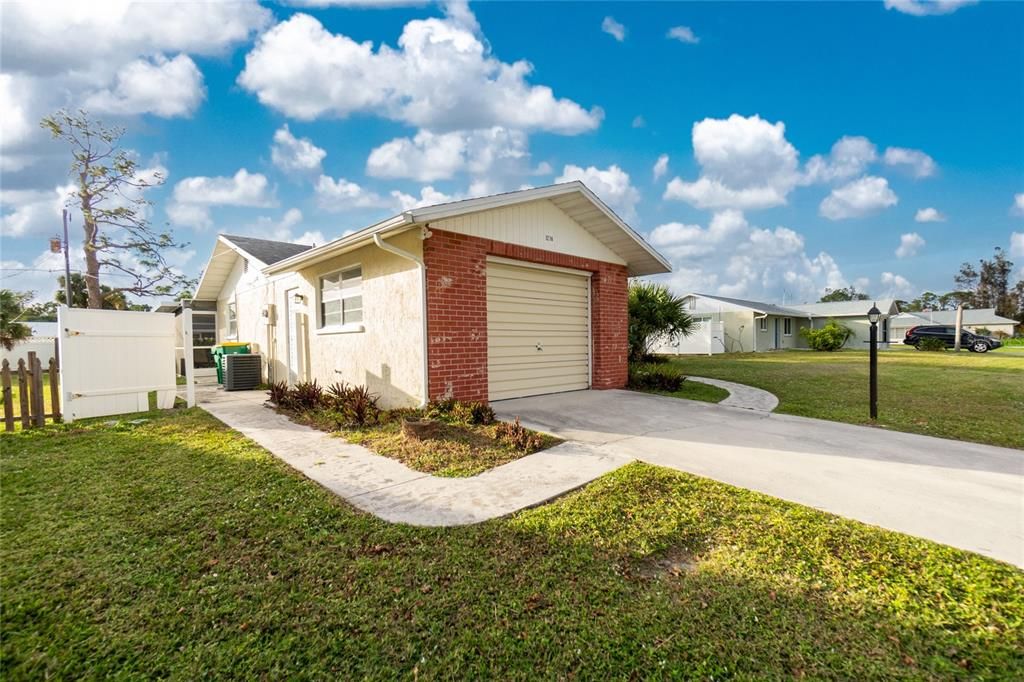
242,372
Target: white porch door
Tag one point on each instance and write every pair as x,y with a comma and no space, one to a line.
293,338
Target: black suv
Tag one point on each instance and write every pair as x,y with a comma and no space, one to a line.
968,340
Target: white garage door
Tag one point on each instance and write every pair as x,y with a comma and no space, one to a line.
538,330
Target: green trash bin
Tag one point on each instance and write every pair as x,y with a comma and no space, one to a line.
227,348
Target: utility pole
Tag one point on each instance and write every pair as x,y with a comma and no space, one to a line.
959,326
67,260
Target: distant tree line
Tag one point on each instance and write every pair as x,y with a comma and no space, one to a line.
987,285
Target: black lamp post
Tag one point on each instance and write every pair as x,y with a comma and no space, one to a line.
873,315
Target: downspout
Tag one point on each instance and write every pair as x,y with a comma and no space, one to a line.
402,253
757,328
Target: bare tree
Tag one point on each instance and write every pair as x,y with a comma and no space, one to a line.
118,234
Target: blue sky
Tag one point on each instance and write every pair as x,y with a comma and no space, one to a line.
808,145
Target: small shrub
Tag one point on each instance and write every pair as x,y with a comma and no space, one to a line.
360,407
517,436
307,395
830,337
652,359
983,331
656,377
458,412
278,393
931,345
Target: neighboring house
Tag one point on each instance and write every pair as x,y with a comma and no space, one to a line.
497,297
42,342
754,326
973,320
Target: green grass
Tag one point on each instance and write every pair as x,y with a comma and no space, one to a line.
179,549
967,396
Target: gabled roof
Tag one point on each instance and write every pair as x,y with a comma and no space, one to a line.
756,306
972,316
574,198
847,308
261,252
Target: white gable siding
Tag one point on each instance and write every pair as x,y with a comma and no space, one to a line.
539,224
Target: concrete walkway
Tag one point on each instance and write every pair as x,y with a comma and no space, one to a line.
962,494
394,492
742,396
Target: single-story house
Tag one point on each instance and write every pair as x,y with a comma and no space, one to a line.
502,296
973,320
753,326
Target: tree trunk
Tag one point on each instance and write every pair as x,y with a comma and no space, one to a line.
92,261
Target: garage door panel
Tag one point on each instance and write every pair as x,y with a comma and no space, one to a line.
530,306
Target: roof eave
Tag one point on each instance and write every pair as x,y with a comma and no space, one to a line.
317,254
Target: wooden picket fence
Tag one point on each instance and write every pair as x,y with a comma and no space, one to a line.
31,407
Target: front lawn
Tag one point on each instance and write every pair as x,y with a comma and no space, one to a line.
967,396
178,548
694,390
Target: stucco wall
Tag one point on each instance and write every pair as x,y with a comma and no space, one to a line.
249,290
387,356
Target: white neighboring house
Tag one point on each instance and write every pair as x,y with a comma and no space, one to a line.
42,341
756,326
974,319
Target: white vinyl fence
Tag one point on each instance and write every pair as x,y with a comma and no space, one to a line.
111,359
707,338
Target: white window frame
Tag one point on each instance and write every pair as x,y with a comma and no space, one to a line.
231,319
762,324
787,326
352,327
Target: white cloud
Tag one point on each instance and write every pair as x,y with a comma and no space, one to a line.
59,36
746,162
110,55
284,229
295,155
428,197
857,199
929,215
910,244
193,197
160,86
683,34
33,212
734,258
1017,244
614,29
343,195
495,155
660,167
850,156
639,121
921,8
441,77
1018,204
896,286
917,162
611,184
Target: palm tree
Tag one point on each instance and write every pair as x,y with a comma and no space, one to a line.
654,312
12,307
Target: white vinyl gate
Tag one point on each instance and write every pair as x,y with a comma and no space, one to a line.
111,359
707,338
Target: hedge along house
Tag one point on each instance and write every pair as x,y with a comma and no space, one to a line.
503,296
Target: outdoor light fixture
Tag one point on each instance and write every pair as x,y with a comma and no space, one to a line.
299,299
873,315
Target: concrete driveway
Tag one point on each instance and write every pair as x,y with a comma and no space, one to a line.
962,494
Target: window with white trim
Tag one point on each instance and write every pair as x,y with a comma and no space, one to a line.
232,316
787,326
341,298
762,324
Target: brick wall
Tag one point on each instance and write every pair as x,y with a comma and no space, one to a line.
457,312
